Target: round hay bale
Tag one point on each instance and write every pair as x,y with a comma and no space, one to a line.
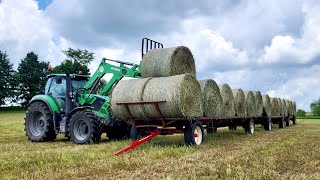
267,107
228,108
275,107
250,103
211,98
168,62
294,108
259,103
291,108
288,107
239,102
281,107
128,90
285,110
181,92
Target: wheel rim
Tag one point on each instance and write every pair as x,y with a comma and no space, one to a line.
37,124
81,129
197,135
270,126
251,130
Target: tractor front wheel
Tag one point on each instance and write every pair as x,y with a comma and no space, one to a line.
85,128
39,123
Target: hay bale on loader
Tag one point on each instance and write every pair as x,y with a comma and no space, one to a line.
251,103
228,108
211,98
275,107
267,107
239,102
128,90
165,62
181,92
259,102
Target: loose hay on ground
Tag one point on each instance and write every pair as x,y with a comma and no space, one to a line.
250,103
228,108
211,98
168,62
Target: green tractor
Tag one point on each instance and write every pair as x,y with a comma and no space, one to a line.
76,106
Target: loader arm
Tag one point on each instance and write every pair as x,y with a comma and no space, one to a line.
123,69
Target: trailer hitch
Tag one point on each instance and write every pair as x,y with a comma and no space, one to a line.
136,143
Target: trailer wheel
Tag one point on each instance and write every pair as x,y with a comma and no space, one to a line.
39,123
250,127
287,121
212,130
194,134
85,128
268,125
294,120
282,123
232,128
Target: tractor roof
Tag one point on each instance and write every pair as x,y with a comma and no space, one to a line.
73,76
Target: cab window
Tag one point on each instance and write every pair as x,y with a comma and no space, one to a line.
57,90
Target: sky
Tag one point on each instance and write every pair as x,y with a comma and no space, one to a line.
271,46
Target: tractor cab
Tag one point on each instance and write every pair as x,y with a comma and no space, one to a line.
56,87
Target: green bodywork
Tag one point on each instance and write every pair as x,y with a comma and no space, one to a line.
46,98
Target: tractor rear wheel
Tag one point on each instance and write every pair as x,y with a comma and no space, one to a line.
39,123
85,128
194,133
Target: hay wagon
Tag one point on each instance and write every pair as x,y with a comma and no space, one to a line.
193,129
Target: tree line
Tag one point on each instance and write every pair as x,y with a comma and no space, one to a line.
19,86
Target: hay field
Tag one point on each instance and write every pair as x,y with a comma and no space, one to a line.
290,153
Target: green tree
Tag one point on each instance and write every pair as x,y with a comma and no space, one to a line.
315,107
77,60
32,76
301,113
6,80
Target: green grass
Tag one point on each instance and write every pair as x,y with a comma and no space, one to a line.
309,117
290,153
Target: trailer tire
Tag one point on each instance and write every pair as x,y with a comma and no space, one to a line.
268,125
85,128
250,127
294,120
287,121
232,128
282,123
194,133
39,123
212,130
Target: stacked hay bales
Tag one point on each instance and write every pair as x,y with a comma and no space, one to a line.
181,92
267,107
294,108
167,62
281,107
250,103
275,107
128,90
211,98
239,102
288,107
259,102
228,108
291,108
285,111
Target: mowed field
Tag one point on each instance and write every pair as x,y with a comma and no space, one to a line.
290,153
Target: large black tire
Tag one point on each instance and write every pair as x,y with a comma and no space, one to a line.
232,128
282,123
85,128
294,120
118,130
137,133
39,123
194,134
287,121
211,130
268,125
249,127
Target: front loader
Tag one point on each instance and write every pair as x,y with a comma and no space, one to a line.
77,106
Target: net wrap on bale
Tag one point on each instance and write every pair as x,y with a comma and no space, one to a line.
259,103
275,107
266,105
228,108
211,98
250,103
281,107
239,102
285,111
165,62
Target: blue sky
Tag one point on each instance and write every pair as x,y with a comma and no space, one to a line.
44,3
271,46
